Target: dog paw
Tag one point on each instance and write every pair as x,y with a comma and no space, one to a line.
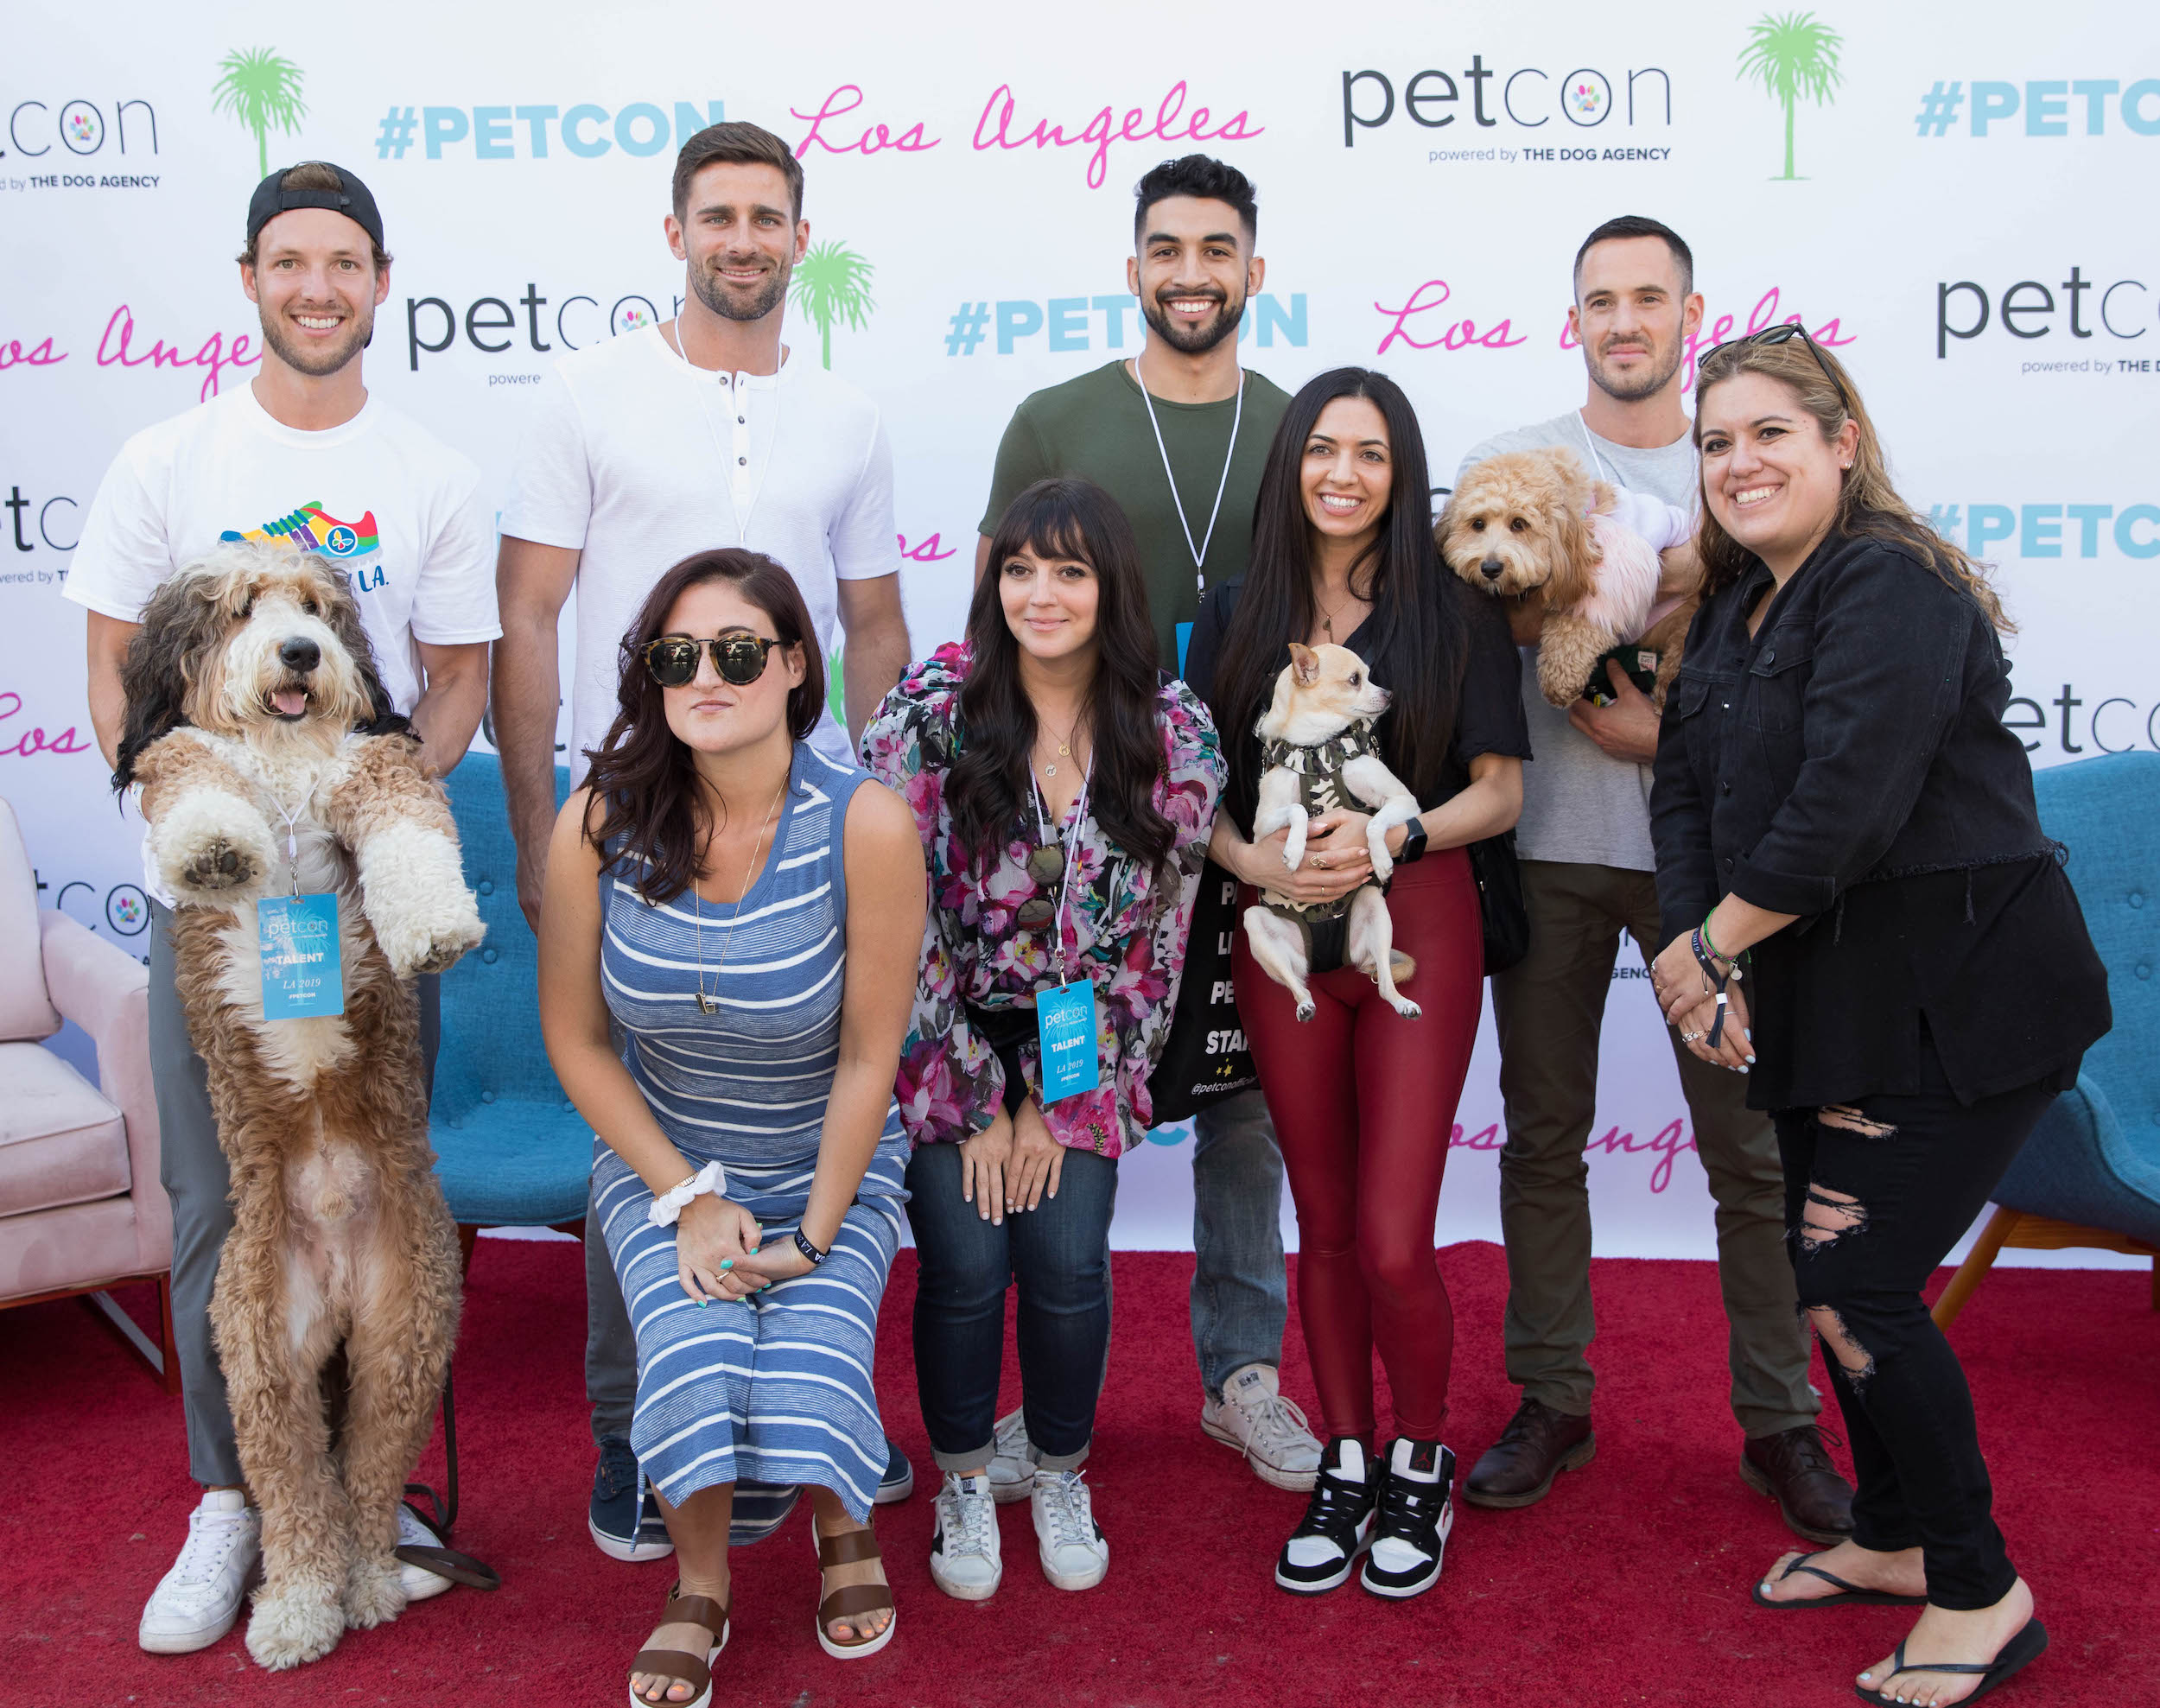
1306,1010
430,945
373,1593
1383,862
293,1625
216,864
1404,1006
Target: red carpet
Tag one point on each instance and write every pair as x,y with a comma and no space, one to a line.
1628,1585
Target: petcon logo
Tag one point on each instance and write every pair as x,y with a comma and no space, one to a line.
525,131
1525,97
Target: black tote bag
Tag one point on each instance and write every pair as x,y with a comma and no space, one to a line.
1205,1058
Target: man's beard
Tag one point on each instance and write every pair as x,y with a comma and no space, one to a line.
1631,389
1193,340
715,295
317,361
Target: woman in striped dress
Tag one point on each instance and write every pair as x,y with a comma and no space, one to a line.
749,1154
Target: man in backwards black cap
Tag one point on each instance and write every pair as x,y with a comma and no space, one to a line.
302,457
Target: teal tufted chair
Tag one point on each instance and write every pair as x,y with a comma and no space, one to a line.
510,1149
2090,1174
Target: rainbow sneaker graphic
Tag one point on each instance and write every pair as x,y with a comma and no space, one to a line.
311,528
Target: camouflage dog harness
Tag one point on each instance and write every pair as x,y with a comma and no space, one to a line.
1324,925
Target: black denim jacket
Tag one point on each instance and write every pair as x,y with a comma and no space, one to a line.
1856,740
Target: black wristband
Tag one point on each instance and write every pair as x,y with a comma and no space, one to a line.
803,1245
1414,841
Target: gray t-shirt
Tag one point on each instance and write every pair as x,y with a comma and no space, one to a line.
1579,804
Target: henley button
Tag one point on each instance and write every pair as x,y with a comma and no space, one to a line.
489,956
486,886
488,1097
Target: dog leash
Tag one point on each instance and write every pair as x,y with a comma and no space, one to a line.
459,1568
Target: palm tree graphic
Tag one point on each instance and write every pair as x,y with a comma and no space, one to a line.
1792,56
262,91
832,283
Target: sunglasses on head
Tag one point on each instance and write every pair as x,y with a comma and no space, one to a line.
738,657
1783,333
1046,871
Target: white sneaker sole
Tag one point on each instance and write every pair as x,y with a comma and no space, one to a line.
1425,1581
187,1643
1320,1587
630,1554
1297,1481
1086,1579
959,1592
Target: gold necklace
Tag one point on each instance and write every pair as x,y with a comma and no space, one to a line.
1064,747
1328,617
710,1004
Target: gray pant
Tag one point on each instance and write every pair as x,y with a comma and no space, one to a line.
1549,1010
192,1168
1241,1296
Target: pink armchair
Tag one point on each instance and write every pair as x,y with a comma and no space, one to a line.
80,1206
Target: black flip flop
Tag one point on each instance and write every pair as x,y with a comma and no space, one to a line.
1851,1595
2018,1653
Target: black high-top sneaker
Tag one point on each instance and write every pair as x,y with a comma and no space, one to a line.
1338,1519
1417,1509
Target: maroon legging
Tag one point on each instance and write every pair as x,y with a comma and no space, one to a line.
1364,1102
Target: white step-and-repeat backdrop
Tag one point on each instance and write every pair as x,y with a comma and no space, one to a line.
1958,197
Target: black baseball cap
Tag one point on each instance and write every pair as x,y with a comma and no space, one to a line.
353,200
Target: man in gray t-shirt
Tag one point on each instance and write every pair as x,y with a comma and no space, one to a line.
1587,877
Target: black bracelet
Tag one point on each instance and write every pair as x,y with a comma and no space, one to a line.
803,1245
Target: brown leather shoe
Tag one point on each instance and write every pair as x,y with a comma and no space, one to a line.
1794,1468
1538,1444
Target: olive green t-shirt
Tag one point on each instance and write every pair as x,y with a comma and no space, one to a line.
1095,427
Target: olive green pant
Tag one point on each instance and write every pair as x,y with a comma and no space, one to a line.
1549,1010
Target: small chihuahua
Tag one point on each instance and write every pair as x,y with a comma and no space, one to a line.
1319,749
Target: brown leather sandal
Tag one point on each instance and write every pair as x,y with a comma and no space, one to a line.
679,1665
846,1549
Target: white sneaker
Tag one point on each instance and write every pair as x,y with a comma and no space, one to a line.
197,1601
413,1532
1012,1470
1270,1431
965,1557
1074,1552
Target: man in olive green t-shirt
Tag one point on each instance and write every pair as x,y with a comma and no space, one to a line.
1183,458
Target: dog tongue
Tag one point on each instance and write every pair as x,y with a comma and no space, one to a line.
291,701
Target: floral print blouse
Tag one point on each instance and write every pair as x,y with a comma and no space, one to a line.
1124,926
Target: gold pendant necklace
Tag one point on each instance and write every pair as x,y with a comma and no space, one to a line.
1064,747
710,1004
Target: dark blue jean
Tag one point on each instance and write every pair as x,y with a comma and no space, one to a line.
1059,1254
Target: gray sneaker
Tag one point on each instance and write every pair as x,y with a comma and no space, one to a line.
1012,1469
1270,1431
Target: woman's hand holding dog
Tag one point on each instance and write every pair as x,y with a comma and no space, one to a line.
1336,859
712,1238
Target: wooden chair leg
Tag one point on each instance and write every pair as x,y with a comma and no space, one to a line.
170,1348
1977,1263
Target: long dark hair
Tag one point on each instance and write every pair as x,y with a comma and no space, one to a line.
644,777
990,780
1420,632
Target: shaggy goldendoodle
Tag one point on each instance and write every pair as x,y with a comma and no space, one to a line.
1533,525
272,764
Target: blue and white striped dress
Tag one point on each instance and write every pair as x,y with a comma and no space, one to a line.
776,1387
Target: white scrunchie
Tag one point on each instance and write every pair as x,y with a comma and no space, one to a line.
667,1207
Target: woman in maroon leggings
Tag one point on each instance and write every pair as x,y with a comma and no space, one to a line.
1363,1099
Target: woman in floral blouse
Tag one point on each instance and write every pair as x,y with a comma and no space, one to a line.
1065,791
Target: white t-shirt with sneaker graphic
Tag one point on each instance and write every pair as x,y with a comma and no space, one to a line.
379,497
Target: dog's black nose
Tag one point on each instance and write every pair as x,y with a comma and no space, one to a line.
300,654
1490,568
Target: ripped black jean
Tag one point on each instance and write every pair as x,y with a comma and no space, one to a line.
1868,1216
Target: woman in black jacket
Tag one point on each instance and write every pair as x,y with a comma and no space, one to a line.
1840,816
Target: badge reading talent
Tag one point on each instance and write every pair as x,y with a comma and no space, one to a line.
303,973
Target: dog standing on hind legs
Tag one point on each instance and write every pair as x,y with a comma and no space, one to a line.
271,763
1316,740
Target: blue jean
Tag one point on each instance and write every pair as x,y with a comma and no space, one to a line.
1059,1254
1241,1298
